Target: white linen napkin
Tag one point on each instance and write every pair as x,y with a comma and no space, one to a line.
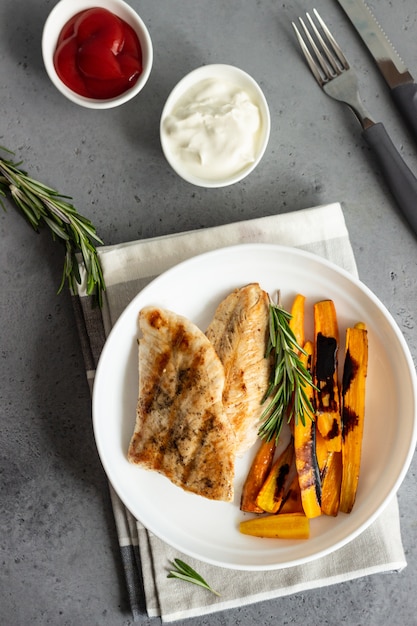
127,269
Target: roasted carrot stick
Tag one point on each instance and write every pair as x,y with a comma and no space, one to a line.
305,452
288,526
292,502
297,318
257,474
353,411
277,482
326,335
331,483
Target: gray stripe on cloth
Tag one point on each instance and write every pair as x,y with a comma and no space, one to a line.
134,583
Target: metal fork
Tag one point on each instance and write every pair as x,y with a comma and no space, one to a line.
338,80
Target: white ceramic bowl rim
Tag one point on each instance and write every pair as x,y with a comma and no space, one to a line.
190,79
59,16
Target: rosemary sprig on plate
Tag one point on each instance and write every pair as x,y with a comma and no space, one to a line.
42,205
286,395
187,573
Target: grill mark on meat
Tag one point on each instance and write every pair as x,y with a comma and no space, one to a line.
185,379
181,428
201,434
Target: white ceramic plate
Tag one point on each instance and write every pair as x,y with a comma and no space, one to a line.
208,530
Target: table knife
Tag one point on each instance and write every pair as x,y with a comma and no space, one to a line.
400,81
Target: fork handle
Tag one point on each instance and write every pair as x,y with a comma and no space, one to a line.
405,97
399,178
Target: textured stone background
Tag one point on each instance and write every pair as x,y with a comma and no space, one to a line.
59,553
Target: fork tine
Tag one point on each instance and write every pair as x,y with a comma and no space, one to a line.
329,60
325,48
316,50
310,61
337,49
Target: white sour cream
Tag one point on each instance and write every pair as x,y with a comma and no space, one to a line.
213,130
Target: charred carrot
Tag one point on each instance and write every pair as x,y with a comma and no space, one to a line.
305,453
353,411
331,483
257,474
292,502
277,483
322,452
325,374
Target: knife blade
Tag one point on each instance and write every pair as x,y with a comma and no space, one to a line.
399,80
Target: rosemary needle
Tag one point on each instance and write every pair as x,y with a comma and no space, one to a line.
187,573
42,205
289,377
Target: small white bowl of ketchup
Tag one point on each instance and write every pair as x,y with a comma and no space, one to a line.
97,53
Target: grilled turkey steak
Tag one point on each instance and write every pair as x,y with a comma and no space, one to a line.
239,333
182,429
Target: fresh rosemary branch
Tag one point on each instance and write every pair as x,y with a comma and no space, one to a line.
289,378
42,205
187,573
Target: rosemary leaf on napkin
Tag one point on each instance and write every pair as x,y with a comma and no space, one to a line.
187,573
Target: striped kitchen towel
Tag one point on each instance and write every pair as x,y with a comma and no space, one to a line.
127,269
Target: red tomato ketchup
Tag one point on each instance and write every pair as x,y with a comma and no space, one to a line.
98,55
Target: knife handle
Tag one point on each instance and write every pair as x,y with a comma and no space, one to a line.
405,97
398,176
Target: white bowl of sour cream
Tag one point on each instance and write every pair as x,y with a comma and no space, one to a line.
215,126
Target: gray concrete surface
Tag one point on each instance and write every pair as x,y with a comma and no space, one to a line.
59,553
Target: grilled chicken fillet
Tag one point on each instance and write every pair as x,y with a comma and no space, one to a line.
239,334
182,430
